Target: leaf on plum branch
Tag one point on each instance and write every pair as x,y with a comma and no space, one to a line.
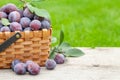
73,52
5,21
38,12
61,37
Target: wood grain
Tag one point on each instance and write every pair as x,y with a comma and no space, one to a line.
96,64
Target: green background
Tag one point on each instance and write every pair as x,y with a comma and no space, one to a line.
88,23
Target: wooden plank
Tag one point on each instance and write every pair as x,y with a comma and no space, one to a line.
96,64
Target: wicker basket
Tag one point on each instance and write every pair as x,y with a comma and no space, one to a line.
33,45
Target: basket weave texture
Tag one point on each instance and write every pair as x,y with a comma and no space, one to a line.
33,45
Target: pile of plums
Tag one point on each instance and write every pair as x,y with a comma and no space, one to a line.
21,19
21,68
33,68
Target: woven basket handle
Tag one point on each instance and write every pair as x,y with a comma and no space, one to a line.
9,41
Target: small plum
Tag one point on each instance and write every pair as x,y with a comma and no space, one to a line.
25,21
3,15
59,58
32,68
14,62
28,62
50,64
27,13
5,29
9,8
20,68
45,24
14,16
15,26
35,25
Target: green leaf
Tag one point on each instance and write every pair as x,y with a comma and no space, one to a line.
73,52
64,46
38,12
52,53
42,13
54,40
61,37
30,7
5,21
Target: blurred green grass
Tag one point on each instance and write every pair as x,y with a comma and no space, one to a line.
89,23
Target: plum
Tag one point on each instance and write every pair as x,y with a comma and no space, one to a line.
5,29
14,62
59,58
15,26
27,13
14,16
32,67
45,24
35,25
9,8
20,68
50,64
3,15
25,21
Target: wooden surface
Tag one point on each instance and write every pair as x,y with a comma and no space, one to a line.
96,64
